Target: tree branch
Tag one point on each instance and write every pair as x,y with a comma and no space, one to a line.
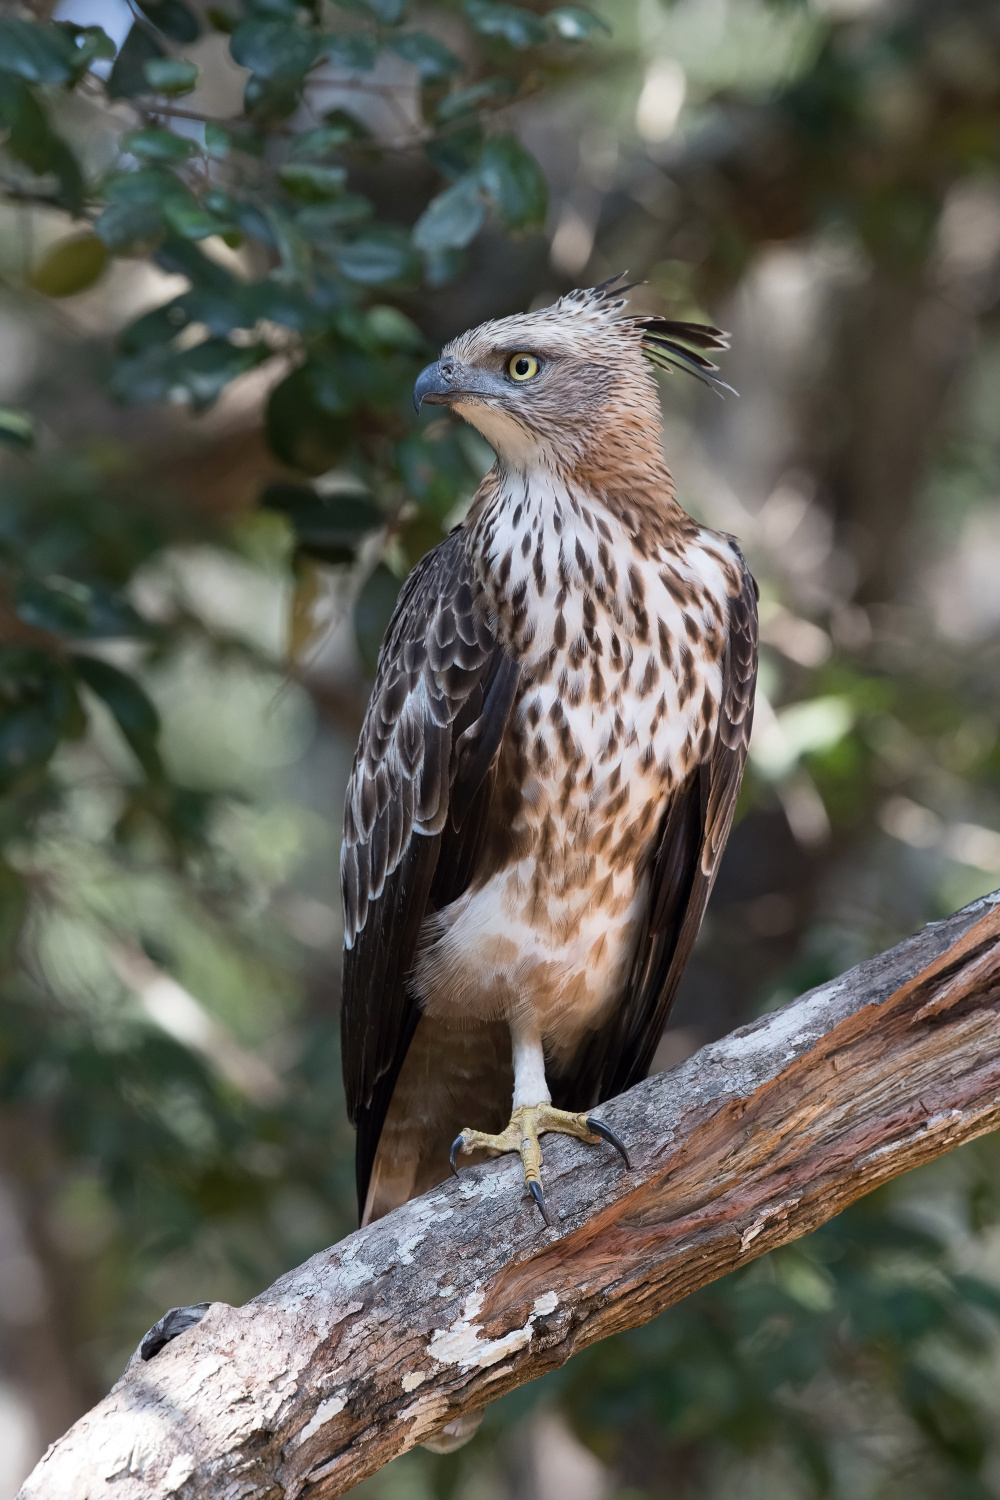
463,1294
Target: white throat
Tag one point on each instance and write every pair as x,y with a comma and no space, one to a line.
516,446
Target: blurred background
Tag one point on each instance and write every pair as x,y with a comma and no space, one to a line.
230,235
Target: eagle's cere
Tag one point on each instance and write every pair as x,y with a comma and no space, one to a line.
549,763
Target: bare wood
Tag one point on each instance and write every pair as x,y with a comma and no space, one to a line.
462,1295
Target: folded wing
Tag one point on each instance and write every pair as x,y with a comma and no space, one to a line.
415,814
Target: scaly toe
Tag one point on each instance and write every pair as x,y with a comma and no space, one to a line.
527,1123
478,1140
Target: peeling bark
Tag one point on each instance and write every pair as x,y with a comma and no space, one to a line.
463,1294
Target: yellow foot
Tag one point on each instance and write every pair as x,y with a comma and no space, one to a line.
527,1123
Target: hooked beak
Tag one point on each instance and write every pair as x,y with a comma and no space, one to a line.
434,384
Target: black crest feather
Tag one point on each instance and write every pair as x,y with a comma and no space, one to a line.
664,343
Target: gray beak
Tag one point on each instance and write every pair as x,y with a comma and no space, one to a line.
434,384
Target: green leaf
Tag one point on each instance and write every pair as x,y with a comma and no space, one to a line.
434,470
316,144
64,606
372,612
457,151
312,182
218,140
175,19
327,527
274,50
219,202
197,375
158,327
420,533
342,119
520,28
14,904
452,219
441,267
383,254
131,228
201,374
29,736
300,432
296,262
170,75
32,140
268,100
351,50
337,385
128,76
290,306
144,377
513,179
40,54
978,1292
949,1419
133,711
389,12
89,43
334,554
394,328
183,258
188,218
40,707
17,428
155,144
149,185
69,266
466,101
221,310
431,58
286,10
575,25
319,225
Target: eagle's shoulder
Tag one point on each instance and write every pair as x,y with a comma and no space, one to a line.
436,651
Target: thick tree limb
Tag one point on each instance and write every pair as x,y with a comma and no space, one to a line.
463,1294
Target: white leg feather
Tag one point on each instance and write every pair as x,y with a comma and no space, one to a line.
529,1063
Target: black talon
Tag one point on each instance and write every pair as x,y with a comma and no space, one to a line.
597,1127
457,1146
539,1197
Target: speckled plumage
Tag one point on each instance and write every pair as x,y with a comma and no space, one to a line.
549,764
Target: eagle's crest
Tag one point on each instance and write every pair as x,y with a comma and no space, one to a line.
663,340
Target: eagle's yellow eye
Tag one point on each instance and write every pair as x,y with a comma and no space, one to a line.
522,366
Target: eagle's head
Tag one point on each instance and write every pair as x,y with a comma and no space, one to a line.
549,388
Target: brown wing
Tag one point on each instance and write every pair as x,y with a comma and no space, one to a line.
415,814
692,837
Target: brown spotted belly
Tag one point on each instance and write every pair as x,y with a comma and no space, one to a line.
504,949
618,705
554,930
